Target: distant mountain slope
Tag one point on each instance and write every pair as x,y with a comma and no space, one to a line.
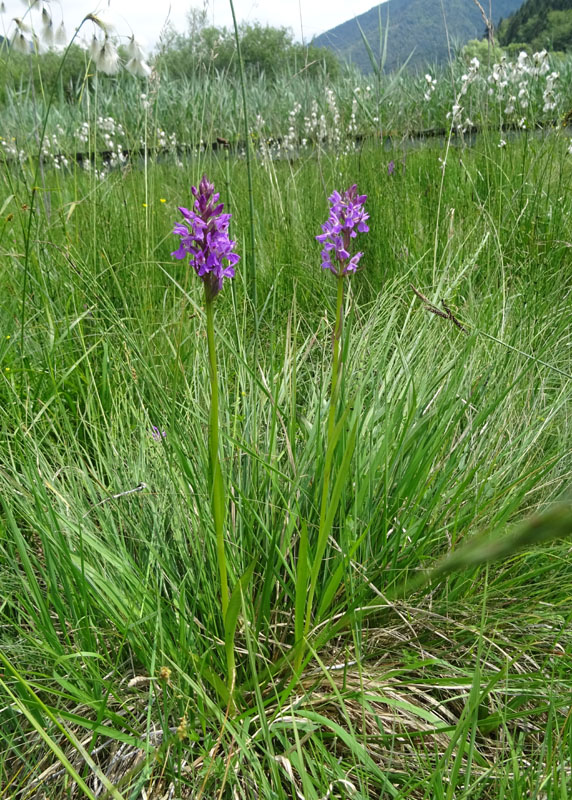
414,26
540,23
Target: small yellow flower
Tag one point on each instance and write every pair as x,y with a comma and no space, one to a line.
7,369
144,205
162,200
165,674
8,337
183,729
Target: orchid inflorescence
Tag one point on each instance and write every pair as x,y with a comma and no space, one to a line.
205,239
347,218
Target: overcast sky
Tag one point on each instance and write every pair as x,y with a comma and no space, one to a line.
146,18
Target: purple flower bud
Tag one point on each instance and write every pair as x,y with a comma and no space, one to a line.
347,219
204,238
391,168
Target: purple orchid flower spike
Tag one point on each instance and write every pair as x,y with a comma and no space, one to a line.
347,218
158,434
205,239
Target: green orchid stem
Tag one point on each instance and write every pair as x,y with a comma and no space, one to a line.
336,359
217,488
323,530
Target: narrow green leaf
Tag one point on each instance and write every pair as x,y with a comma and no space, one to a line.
301,581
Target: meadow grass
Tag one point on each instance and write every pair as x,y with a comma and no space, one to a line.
451,444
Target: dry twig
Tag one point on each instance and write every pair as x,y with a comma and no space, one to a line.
445,314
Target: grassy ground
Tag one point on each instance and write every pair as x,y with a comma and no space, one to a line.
455,685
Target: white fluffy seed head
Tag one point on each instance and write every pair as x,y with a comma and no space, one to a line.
138,68
20,43
134,49
94,48
61,35
47,28
21,25
107,60
48,35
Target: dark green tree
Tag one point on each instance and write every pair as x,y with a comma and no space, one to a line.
19,69
265,50
540,24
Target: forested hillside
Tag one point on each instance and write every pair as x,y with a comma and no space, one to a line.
541,24
417,29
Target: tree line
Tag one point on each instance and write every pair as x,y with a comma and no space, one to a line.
540,24
266,51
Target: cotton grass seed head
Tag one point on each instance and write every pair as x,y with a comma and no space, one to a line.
138,68
47,27
94,47
134,49
107,58
22,26
61,36
136,63
19,42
